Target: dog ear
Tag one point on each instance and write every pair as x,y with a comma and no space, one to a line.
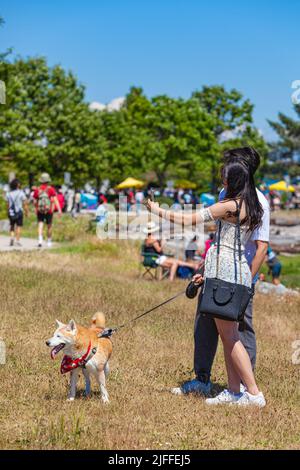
72,325
59,324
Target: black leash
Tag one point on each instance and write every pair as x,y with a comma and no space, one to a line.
110,331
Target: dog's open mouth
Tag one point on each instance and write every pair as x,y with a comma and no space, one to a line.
56,350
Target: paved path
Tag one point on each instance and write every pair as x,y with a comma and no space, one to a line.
28,244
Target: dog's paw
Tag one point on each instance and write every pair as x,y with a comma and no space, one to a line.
105,400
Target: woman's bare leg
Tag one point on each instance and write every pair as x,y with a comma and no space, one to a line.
186,264
173,269
234,380
235,351
173,264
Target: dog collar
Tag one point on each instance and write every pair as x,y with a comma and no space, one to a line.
69,364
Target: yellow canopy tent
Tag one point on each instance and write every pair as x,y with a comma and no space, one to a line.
185,184
281,186
130,183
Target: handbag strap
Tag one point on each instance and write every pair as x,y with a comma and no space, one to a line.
238,233
218,246
237,238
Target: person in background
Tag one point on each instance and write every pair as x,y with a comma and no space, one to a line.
155,246
130,198
61,199
139,198
187,197
176,205
274,266
69,198
77,202
101,214
208,243
192,249
16,204
276,202
102,199
45,202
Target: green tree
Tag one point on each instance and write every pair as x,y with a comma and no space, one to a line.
233,122
176,135
46,125
228,108
124,145
288,131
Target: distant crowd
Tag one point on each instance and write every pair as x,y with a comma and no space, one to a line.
48,199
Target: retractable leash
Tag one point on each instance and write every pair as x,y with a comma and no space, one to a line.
190,291
108,332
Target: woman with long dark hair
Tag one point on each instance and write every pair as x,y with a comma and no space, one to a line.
240,189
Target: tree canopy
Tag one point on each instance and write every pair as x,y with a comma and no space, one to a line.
288,131
47,125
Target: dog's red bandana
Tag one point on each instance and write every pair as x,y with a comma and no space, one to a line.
69,364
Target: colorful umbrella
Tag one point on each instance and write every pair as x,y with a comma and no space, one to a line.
281,186
130,183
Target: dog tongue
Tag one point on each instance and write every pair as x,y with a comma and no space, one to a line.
56,350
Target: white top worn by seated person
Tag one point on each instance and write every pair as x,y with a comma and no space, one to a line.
262,233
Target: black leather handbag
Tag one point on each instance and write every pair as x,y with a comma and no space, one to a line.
222,299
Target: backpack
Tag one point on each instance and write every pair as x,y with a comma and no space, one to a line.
12,212
44,202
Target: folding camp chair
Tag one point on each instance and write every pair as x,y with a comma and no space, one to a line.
151,268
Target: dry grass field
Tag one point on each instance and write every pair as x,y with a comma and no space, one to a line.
147,360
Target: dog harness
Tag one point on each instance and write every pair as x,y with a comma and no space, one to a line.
69,364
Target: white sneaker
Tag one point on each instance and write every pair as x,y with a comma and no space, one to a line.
255,400
49,243
224,397
243,388
176,391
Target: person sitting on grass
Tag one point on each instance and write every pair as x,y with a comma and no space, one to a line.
274,266
45,201
155,246
16,205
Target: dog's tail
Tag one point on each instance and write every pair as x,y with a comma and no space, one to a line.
98,320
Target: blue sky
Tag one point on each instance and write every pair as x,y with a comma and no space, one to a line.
165,46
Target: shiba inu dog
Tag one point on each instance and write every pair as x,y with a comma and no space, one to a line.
83,349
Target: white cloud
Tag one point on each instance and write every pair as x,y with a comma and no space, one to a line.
114,105
96,106
232,134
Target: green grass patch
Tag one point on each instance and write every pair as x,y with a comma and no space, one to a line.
290,273
65,228
90,247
